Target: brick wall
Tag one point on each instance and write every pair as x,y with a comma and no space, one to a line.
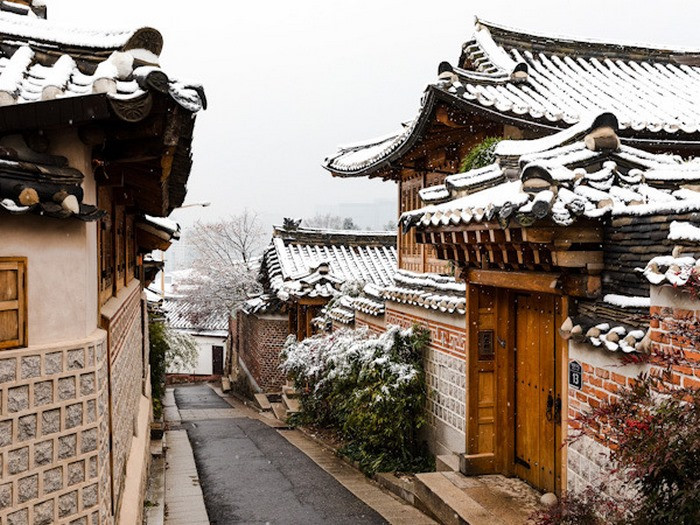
603,376
53,433
125,329
444,364
374,324
260,341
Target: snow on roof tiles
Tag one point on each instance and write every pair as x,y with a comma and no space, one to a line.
580,182
315,263
553,82
40,60
182,315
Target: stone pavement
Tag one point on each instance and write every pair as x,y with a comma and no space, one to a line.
252,472
184,503
391,509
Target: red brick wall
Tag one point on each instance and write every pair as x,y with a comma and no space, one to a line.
666,339
443,337
601,383
377,325
260,341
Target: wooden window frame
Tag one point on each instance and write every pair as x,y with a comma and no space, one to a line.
20,263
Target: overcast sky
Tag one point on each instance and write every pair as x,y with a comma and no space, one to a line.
288,81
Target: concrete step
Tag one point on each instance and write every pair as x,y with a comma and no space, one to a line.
450,504
291,404
289,391
280,411
447,463
262,401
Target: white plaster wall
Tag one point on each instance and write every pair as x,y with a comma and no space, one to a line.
62,260
204,356
68,144
59,272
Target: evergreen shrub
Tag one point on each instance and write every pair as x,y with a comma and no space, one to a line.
371,389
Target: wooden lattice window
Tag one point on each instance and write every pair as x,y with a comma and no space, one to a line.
13,302
410,200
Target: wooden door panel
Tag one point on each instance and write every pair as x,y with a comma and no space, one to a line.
535,385
217,357
547,392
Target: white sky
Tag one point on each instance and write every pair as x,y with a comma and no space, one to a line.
288,81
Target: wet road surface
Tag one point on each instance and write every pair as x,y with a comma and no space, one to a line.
250,474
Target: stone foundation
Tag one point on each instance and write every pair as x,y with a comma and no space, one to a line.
54,432
445,374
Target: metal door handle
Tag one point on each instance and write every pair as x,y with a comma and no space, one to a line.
550,407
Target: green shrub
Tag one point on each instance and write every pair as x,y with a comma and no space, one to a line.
480,155
371,389
166,348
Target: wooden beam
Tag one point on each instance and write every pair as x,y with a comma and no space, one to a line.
577,259
528,281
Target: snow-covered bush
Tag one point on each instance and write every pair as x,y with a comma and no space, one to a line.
370,388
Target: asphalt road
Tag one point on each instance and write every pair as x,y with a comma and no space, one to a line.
250,474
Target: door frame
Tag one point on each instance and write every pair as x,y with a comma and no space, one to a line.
501,460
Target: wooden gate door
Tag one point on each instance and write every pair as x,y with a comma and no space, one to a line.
537,405
217,360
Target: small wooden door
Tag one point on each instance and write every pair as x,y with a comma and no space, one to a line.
217,360
537,405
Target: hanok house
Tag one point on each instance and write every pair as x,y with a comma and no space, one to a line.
210,333
93,136
530,245
301,271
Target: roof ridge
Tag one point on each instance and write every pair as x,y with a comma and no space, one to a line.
528,38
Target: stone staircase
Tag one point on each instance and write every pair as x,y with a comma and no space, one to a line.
454,499
281,404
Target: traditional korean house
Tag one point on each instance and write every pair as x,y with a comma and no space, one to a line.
301,271
210,334
94,135
545,237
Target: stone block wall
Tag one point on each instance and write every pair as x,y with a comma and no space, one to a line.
53,430
126,337
261,339
445,368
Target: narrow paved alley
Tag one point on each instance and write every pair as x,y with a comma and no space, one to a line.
250,473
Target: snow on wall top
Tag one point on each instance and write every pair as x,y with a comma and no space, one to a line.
42,61
574,181
554,82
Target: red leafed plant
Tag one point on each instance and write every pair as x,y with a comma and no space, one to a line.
653,430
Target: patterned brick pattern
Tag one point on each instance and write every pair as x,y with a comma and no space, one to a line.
445,371
52,428
443,337
126,339
261,340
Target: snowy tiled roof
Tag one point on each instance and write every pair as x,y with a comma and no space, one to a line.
677,269
427,290
551,83
563,177
309,262
40,61
182,315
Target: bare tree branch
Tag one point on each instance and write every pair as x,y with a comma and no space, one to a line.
225,271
